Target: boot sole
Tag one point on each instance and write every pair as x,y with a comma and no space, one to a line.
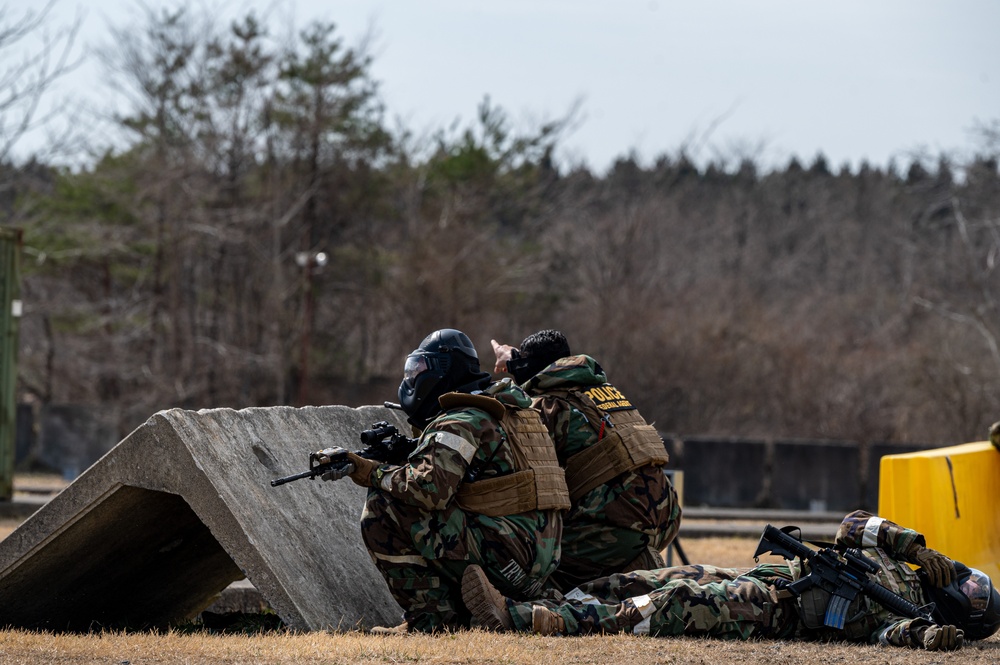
481,599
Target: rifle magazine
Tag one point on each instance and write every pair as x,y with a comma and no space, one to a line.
836,612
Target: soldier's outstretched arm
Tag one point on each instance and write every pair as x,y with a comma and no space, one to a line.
863,529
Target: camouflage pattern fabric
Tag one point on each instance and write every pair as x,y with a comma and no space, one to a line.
741,603
884,542
631,518
689,600
421,541
862,529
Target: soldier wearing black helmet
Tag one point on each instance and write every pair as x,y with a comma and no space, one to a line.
969,601
481,487
625,510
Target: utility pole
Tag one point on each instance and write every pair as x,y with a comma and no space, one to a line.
311,263
10,315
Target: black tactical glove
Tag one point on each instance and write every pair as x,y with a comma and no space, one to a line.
333,463
338,472
940,638
344,463
939,568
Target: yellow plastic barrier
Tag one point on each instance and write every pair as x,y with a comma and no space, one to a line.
952,496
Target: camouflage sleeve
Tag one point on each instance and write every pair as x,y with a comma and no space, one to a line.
435,469
556,414
900,633
862,529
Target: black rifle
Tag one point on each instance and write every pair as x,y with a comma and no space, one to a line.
383,443
315,469
843,574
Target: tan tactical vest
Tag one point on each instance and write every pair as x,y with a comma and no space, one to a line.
625,441
538,482
864,615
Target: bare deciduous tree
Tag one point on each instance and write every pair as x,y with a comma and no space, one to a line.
35,56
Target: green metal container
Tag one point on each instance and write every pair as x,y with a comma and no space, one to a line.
10,314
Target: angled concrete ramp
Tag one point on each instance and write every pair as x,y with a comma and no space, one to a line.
182,507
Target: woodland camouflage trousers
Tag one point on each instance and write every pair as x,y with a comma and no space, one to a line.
429,589
685,600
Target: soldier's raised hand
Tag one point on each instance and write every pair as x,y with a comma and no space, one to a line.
503,352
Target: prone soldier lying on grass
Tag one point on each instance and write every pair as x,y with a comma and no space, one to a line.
952,602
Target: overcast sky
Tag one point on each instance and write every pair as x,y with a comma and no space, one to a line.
854,79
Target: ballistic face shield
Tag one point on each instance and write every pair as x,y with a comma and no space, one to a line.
970,602
445,361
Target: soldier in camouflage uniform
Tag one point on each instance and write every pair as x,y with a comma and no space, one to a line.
753,603
625,511
481,487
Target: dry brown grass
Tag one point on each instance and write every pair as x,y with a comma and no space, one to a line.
19,647
726,552
25,648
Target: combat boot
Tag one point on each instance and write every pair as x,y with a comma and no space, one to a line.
546,622
484,601
401,629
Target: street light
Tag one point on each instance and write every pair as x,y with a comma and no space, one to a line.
310,259
310,262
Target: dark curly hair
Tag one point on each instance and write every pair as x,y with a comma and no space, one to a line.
546,346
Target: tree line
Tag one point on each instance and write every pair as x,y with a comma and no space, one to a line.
265,236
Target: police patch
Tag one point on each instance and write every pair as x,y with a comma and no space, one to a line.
609,398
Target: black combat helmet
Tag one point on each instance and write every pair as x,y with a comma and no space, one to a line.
970,602
538,351
446,361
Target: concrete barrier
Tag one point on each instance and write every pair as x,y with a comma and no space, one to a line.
948,495
710,465
813,475
182,507
786,474
874,462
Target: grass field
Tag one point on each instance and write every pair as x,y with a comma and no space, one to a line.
185,647
280,647
21,648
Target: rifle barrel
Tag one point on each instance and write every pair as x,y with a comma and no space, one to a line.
894,602
288,479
